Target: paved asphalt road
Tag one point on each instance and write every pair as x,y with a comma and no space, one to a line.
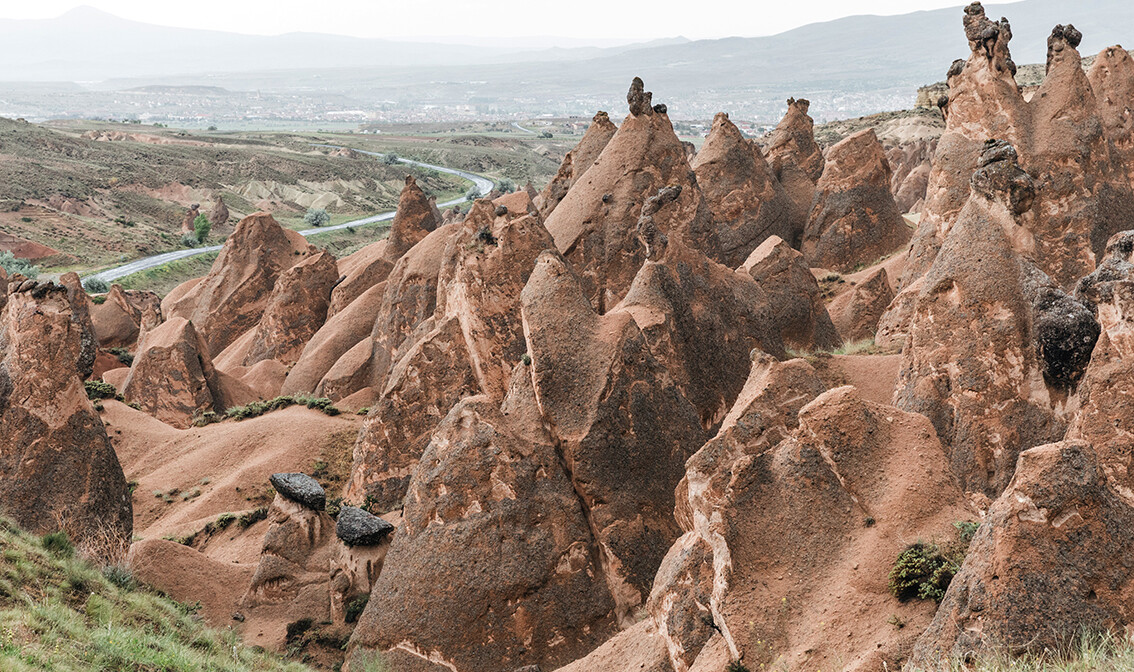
483,185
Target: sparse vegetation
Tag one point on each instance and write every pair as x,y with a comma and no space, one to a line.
123,355
355,607
96,286
736,666
472,194
13,264
258,408
316,217
250,518
922,571
59,612
97,389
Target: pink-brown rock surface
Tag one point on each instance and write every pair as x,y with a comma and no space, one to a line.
856,313
58,470
793,295
1112,81
296,309
795,158
172,377
854,220
123,315
595,224
746,199
1048,564
231,299
577,162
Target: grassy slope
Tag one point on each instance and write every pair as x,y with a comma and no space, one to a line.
58,612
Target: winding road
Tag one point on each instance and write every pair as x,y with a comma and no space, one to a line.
482,183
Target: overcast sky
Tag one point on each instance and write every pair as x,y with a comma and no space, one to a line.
403,19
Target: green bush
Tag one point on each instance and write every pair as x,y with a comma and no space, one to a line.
922,571
123,355
201,228
97,389
120,576
247,520
96,286
736,666
355,607
12,264
58,544
506,185
316,217
258,408
189,240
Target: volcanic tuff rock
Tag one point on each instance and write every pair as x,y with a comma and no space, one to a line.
172,377
496,504
854,220
57,467
119,319
187,226
911,164
81,316
856,313
795,157
793,295
746,200
1051,561
1112,81
595,224
231,299
577,162
295,310
975,363
294,561
468,345
219,214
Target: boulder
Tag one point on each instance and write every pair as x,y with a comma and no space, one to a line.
119,319
58,470
746,200
300,488
231,299
577,162
356,527
854,220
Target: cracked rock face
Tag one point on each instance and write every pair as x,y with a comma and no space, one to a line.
1051,560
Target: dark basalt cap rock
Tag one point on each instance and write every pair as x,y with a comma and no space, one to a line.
640,100
1000,178
1066,333
301,489
356,527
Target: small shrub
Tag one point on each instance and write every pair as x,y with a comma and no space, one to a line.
922,571
355,607
123,355
316,217
12,264
472,194
201,228
98,300
736,666
506,185
96,286
120,576
390,159
966,530
526,359
97,389
189,240
365,410
247,520
58,544
334,505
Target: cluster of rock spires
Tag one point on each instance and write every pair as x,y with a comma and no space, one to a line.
588,441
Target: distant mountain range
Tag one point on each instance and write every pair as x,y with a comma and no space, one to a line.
850,66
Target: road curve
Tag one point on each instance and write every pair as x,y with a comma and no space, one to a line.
482,183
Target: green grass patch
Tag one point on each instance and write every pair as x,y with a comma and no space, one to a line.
61,613
161,279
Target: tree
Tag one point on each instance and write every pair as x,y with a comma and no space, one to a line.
201,228
316,217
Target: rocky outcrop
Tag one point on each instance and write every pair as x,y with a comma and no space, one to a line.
231,299
1046,565
187,222
795,157
856,313
796,303
854,220
532,595
295,310
57,467
746,200
219,215
172,377
595,224
119,319
977,362
577,162
1112,81
911,164
467,346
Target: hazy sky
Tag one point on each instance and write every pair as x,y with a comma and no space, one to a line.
604,19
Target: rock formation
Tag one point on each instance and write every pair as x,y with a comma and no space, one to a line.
595,224
219,214
1112,81
795,157
854,220
119,319
746,200
187,222
1046,565
856,313
577,162
58,470
231,299
295,310
793,296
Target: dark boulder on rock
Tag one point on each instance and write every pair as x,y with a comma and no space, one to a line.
300,488
356,527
